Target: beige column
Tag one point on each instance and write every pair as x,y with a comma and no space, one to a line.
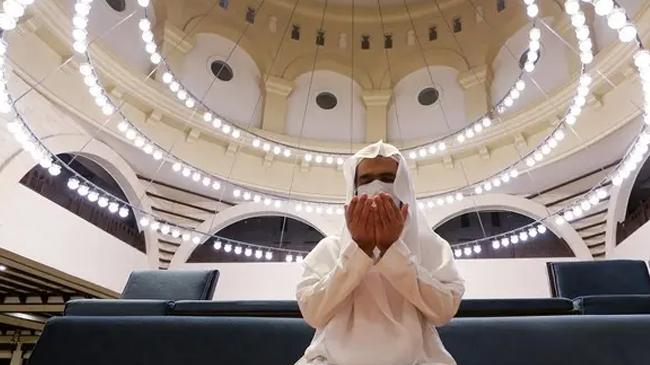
275,104
475,83
376,102
174,45
17,355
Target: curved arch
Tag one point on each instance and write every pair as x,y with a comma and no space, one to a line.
20,163
513,203
326,225
619,197
327,60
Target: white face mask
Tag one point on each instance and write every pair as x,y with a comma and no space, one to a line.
377,186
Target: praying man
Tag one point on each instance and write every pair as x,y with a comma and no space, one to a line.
376,292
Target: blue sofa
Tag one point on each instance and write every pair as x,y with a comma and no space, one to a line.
150,292
188,340
603,287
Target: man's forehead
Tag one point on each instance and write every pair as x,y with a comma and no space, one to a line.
379,163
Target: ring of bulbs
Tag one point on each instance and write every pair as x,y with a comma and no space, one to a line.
14,9
429,149
199,176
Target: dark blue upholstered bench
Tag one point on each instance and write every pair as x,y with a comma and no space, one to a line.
150,293
187,340
603,287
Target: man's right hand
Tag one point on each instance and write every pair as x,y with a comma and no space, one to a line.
360,219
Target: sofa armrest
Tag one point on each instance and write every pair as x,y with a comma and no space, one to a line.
613,304
117,307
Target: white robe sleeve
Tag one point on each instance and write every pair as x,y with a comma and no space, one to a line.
435,292
330,275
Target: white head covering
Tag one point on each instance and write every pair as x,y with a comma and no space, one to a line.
429,249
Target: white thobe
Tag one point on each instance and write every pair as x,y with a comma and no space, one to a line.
375,312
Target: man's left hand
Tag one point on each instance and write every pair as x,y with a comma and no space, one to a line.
389,221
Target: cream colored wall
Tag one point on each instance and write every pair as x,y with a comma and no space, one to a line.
496,278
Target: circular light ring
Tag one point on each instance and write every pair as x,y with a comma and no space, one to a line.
251,137
416,152
642,140
169,78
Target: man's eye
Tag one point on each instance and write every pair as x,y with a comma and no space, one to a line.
388,179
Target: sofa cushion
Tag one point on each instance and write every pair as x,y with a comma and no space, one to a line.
614,304
173,340
117,307
171,285
514,307
270,308
578,279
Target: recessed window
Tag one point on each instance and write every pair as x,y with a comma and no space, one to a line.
326,100
223,4
250,15
428,96
388,41
320,38
433,33
365,42
458,26
295,32
117,5
501,5
221,70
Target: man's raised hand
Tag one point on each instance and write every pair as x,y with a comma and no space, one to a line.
360,217
389,222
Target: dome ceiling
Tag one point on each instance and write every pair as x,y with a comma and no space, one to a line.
403,48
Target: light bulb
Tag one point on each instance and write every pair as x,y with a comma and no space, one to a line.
206,181
186,172
603,7
288,258
123,212
467,251
477,249
7,22
154,226
54,170
102,202
578,19
541,229
216,185
248,252
496,244
73,184
83,190
268,255
587,57
571,7
627,33
258,254
196,240
144,24
227,247
93,196
616,19
113,207
144,221
217,245
514,239
143,3
642,59
505,242
535,34
458,252
520,85
155,58
532,10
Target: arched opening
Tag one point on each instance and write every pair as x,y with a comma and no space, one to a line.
271,232
55,189
638,205
477,225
